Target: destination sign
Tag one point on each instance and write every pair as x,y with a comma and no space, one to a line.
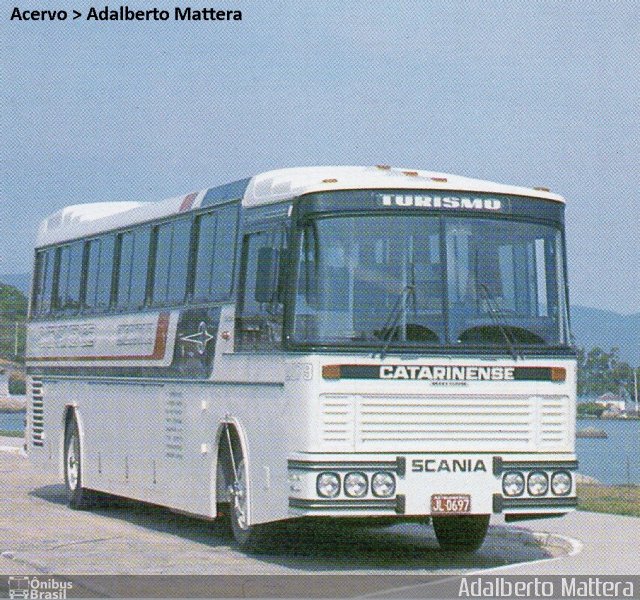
446,202
444,373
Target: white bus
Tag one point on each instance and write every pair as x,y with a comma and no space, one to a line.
362,343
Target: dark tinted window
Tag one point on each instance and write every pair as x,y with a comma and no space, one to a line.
204,259
105,275
43,278
215,257
172,261
132,273
139,267
69,277
260,317
92,272
99,269
224,253
124,270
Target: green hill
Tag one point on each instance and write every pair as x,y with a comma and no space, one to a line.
13,310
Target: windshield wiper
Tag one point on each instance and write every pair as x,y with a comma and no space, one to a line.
494,313
391,324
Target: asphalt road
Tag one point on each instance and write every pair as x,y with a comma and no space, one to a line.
40,535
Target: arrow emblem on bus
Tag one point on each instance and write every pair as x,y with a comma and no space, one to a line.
200,339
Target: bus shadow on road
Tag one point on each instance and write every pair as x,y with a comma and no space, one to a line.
149,516
405,547
331,546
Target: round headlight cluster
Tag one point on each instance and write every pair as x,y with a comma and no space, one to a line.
537,483
383,485
513,483
561,483
328,485
356,485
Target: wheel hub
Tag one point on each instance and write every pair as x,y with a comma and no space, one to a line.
72,464
239,492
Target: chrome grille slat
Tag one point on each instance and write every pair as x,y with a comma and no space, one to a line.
376,422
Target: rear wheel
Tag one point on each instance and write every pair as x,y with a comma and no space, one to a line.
463,533
77,496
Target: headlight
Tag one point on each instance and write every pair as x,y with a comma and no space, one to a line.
328,485
356,485
561,483
537,483
513,483
383,485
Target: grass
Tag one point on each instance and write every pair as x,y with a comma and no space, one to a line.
613,499
4,433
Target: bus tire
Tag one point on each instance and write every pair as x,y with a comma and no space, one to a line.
77,497
462,533
250,538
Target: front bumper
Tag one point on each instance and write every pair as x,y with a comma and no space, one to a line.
419,476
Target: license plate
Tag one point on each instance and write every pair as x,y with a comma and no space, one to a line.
450,503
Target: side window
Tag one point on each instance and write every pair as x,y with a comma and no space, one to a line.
99,272
43,282
92,273
132,271
172,262
125,256
69,277
105,273
259,324
139,266
215,255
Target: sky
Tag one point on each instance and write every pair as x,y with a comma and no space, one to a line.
527,93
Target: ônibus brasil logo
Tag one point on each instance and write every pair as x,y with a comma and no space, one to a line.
40,588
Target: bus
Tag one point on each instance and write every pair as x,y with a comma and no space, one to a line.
372,344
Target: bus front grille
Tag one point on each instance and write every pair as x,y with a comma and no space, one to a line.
377,422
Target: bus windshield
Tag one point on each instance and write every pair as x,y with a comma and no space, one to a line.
429,281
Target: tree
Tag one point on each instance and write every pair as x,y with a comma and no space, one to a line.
600,372
13,309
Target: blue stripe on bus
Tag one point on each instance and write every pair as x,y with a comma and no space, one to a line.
228,191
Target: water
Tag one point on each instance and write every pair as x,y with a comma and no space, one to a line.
613,460
12,421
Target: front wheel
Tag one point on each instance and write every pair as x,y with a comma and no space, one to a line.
77,496
250,538
464,533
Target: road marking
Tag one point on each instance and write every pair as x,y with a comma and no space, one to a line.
575,545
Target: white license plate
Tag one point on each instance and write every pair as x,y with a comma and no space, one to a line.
451,504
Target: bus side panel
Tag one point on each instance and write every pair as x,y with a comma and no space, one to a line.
155,441
158,448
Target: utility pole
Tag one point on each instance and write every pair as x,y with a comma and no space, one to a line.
635,387
15,341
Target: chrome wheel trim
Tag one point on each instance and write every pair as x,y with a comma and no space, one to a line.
72,464
240,508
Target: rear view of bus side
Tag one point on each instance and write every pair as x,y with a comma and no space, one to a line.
340,342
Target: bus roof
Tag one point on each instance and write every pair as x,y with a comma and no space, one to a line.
270,187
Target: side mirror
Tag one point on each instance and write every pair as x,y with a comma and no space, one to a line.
266,275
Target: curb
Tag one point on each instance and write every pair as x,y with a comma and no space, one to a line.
568,546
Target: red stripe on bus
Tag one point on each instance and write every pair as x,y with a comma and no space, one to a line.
187,202
159,347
